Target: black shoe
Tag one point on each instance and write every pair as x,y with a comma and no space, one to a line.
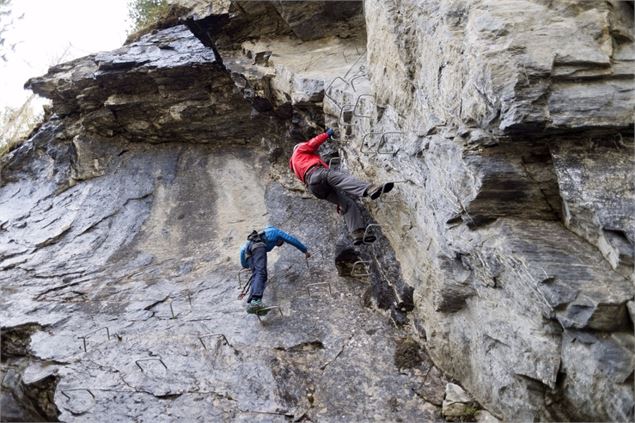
359,238
370,238
374,191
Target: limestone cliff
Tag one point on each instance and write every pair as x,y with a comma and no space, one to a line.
505,254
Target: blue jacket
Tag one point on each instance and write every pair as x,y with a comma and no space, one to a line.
272,236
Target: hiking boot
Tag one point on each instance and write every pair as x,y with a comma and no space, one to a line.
375,191
358,237
255,306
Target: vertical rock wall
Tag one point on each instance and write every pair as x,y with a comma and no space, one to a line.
510,125
506,247
121,220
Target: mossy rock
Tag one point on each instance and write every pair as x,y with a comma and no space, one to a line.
408,353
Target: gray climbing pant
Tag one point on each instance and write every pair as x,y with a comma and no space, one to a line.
341,189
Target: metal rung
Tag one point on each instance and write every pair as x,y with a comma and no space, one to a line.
361,148
218,335
364,265
171,301
365,76
268,309
64,392
383,140
357,104
83,337
328,89
171,308
308,290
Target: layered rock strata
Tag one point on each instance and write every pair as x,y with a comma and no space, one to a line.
506,248
513,134
121,222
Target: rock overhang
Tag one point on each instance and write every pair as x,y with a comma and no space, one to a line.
165,87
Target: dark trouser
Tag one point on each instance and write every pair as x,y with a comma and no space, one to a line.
339,188
258,265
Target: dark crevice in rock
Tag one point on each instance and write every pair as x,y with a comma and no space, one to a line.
56,288
388,287
517,180
206,29
151,306
25,400
16,339
303,347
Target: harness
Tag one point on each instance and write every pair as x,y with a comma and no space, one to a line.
255,238
310,170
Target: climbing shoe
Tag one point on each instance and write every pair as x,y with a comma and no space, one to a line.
256,307
358,237
375,191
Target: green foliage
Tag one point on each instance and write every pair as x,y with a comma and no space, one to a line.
144,13
16,123
469,414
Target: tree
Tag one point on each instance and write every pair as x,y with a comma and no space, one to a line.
16,123
145,12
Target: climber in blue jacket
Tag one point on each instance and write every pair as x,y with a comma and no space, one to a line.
253,255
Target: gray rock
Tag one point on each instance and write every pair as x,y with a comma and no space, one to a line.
507,78
493,231
129,255
483,416
506,244
165,87
457,403
605,356
595,177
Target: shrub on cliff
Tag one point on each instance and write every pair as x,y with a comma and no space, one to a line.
144,13
150,15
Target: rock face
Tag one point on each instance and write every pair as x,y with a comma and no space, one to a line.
513,134
504,256
165,87
457,403
121,223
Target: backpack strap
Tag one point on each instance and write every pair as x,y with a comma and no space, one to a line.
255,238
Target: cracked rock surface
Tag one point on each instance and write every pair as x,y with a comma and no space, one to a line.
139,296
504,259
121,223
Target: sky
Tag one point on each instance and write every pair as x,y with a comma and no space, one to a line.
47,29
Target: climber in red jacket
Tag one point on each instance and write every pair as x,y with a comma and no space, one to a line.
334,186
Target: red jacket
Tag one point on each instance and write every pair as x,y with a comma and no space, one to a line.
305,155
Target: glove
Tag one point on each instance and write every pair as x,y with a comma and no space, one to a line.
330,132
